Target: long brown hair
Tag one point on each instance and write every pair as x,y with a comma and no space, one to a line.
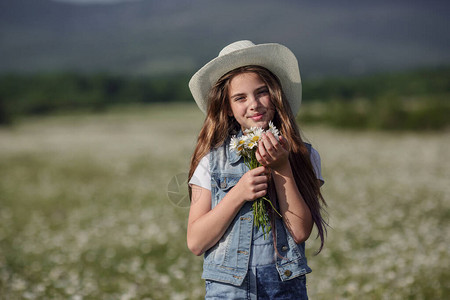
219,125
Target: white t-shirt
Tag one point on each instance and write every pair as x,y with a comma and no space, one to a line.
202,176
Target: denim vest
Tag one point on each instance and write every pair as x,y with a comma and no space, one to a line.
228,260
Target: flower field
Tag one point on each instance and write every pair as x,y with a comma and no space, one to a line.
93,206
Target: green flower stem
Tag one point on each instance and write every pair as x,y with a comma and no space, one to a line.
260,215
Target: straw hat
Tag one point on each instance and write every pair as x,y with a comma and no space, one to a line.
275,57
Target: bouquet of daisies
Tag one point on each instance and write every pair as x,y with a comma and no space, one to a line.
246,146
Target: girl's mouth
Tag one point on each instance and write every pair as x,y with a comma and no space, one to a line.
257,117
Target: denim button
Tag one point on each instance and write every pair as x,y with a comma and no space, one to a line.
284,248
287,273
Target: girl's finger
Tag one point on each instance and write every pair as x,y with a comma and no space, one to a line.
261,185
259,158
260,170
284,143
276,144
271,144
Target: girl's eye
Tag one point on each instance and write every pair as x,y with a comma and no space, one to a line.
239,98
262,92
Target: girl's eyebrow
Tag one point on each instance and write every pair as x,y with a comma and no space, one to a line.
263,87
237,95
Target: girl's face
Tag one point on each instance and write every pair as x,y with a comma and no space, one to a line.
250,101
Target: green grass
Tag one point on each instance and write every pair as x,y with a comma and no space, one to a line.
85,213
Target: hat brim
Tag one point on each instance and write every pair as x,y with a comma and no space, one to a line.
275,57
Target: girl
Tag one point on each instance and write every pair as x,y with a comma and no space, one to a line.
246,86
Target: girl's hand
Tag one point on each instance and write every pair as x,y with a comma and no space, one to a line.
253,184
272,153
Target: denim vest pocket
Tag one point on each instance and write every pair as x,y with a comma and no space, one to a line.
222,184
227,181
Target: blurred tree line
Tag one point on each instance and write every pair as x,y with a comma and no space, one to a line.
38,94
413,100
407,100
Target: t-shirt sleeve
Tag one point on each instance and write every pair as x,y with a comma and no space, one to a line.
315,161
202,176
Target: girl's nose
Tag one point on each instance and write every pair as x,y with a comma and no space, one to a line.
254,102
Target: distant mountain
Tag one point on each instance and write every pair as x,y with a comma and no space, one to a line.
155,37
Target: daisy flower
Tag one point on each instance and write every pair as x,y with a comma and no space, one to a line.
274,130
252,137
237,144
252,141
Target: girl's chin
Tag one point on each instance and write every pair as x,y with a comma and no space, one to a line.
261,124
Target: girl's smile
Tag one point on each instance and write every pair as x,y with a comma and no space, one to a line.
250,101
257,117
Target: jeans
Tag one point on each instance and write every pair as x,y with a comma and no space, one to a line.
260,283
262,280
